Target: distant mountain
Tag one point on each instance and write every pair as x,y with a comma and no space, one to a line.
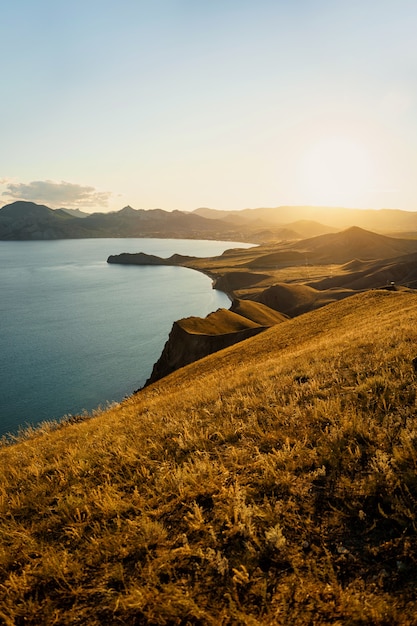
310,228
27,220
353,243
301,229
266,223
382,220
154,223
75,212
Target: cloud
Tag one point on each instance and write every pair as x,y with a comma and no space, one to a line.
62,194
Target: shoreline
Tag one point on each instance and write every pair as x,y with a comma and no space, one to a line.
144,340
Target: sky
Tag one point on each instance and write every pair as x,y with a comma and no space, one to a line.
228,104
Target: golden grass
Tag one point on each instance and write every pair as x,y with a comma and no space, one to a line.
271,483
259,313
242,315
227,267
219,322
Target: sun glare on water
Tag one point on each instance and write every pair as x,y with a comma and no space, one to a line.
336,170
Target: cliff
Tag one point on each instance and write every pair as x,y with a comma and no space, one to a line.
193,338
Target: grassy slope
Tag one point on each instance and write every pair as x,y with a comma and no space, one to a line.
243,314
257,312
316,261
216,323
271,483
295,299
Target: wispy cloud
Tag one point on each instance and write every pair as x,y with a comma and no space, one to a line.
55,194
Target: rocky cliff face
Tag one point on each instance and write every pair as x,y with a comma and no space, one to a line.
183,348
193,338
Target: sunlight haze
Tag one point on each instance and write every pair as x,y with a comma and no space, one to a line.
179,104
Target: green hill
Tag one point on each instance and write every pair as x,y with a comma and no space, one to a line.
273,482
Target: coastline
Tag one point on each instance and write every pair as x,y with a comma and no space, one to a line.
103,346
198,264
193,338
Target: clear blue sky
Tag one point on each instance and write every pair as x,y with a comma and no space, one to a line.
221,103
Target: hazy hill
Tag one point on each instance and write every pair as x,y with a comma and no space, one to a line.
75,212
353,243
273,482
332,248
273,222
359,274
310,228
382,220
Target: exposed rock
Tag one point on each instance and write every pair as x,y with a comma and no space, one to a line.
193,338
142,258
183,348
139,258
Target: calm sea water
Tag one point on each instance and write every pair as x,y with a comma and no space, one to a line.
77,332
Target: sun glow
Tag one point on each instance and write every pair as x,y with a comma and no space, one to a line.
336,170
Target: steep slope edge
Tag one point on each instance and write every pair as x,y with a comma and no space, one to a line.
193,338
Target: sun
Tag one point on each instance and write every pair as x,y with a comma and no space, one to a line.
336,170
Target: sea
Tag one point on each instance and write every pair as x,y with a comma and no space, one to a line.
77,333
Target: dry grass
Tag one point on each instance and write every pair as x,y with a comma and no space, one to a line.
271,483
217,323
234,274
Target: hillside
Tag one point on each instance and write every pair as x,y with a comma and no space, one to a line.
30,221
293,300
295,278
353,243
358,274
352,259
271,483
193,338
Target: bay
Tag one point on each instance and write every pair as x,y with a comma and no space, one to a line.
77,333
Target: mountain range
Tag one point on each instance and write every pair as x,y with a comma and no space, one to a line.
30,221
388,221
23,220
